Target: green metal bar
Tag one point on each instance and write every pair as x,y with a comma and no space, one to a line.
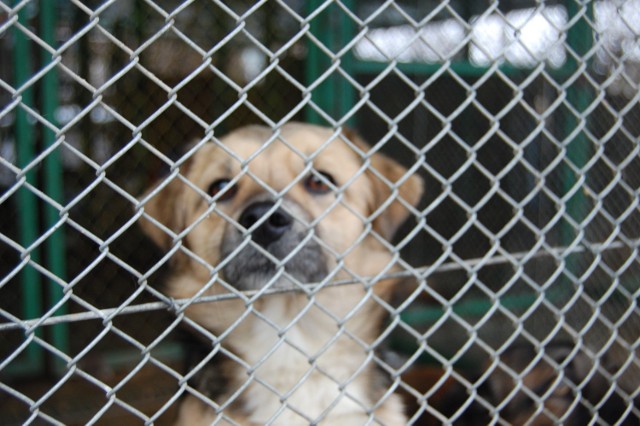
53,175
579,97
166,351
461,68
27,203
346,93
314,62
421,317
328,89
334,29
475,307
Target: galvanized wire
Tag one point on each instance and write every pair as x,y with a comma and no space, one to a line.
536,286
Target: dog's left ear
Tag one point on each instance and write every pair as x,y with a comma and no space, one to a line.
391,187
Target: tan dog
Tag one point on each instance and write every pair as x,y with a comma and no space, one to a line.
308,207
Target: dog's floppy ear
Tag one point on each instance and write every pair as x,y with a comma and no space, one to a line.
388,193
162,207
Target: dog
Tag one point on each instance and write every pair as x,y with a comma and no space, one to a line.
285,214
563,387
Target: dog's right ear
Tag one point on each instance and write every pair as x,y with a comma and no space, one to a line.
161,201
389,193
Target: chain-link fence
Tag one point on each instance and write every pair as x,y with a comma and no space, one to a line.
509,296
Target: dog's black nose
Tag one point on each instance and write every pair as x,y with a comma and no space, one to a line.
271,229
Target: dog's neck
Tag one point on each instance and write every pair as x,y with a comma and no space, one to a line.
307,353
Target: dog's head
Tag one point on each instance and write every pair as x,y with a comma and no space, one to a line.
276,209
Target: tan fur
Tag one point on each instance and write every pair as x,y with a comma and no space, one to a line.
333,327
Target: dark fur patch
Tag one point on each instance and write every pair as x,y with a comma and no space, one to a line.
250,269
213,378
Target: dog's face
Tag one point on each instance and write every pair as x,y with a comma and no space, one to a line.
279,211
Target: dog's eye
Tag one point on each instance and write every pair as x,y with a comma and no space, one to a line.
319,183
216,187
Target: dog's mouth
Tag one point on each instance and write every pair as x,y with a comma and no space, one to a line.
281,253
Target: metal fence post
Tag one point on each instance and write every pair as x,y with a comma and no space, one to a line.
335,95
27,203
53,180
579,97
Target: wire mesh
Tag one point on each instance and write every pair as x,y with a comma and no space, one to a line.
515,279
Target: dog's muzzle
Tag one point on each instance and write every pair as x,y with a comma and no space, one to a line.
293,258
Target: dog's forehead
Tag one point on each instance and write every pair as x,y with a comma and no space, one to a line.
276,158
294,143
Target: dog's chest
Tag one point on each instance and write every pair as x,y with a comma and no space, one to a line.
298,358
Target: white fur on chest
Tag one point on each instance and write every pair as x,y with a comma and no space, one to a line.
301,372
